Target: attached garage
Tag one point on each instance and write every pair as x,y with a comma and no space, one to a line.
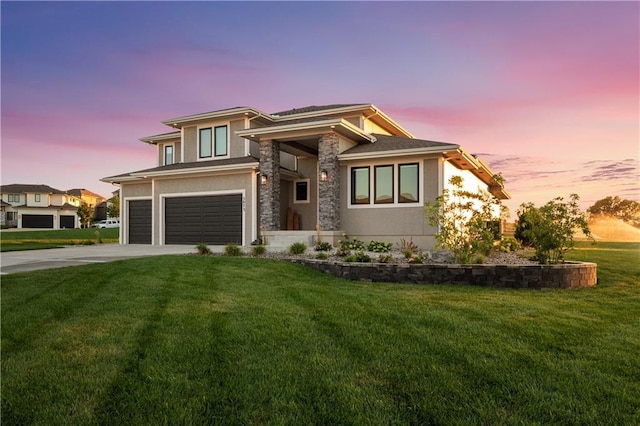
214,219
67,222
37,221
139,212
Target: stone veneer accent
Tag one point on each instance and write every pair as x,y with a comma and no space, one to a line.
329,191
566,275
270,193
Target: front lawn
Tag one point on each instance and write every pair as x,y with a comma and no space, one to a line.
212,340
52,238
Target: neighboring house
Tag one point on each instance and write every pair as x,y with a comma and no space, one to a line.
98,202
38,206
240,174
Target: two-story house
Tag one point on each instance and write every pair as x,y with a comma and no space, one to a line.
38,206
240,174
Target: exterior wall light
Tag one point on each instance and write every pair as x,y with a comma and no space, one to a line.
263,179
324,176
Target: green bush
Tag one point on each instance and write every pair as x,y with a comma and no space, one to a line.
232,250
509,244
258,250
203,249
379,247
322,256
385,258
362,257
297,248
323,246
552,227
351,244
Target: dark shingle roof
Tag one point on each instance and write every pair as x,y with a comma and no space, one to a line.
192,165
78,192
18,188
312,108
394,143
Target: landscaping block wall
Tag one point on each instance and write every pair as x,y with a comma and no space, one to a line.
566,275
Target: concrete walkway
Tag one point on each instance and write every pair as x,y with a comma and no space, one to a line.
31,260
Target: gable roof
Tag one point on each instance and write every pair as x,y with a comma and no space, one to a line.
398,144
79,192
29,188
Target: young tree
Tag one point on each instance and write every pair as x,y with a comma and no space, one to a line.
113,208
464,219
85,213
550,228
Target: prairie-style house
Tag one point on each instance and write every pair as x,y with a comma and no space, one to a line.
38,206
240,175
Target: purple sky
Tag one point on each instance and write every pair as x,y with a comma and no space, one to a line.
547,93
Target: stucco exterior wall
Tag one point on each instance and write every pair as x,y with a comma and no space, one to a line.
190,141
308,167
135,190
236,143
394,222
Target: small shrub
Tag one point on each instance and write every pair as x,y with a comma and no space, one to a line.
418,258
297,248
351,244
478,259
362,257
323,246
379,247
408,253
232,250
258,250
343,252
322,256
385,258
509,244
203,249
350,259
408,246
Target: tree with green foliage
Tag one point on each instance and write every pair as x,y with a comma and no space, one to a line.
464,220
626,210
85,214
113,207
550,228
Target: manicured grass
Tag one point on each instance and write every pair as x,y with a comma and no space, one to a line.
52,238
204,340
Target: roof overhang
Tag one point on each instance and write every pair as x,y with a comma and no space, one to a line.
150,174
179,122
397,153
161,138
293,131
465,161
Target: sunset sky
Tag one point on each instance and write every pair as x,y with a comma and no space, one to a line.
546,93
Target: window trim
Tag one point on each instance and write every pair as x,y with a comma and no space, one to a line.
295,191
396,184
215,140
352,186
200,156
13,198
37,198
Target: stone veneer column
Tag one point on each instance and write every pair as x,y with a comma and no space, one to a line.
270,193
329,191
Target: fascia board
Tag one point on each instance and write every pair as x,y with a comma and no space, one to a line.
397,153
214,114
192,170
297,116
392,122
324,125
154,139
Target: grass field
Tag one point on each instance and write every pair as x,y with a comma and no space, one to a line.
212,340
52,238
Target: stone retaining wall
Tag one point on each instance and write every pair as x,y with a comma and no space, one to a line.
566,275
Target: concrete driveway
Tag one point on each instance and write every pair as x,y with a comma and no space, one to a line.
31,260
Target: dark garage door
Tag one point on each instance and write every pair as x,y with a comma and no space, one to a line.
139,222
37,221
67,221
211,219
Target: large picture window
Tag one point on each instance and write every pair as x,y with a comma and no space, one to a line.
384,184
408,183
392,184
360,185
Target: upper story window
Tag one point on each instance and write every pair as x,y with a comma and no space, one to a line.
392,184
14,198
213,142
168,154
37,198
